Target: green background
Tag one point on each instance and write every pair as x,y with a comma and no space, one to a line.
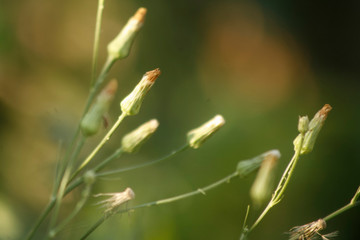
260,64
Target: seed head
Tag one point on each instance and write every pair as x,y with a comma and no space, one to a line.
310,231
132,103
116,200
198,136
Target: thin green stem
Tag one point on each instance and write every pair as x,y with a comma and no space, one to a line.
96,40
80,204
64,182
113,156
181,149
351,204
279,192
100,145
203,191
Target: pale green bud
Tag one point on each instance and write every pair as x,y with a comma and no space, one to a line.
303,125
132,103
262,186
89,177
93,119
198,136
133,140
315,126
246,167
120,46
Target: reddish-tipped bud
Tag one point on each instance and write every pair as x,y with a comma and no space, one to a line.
132,103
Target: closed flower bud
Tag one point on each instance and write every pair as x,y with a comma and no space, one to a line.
315,126
133,140
245,167
303,125
120,46
262,186
198,136
132,103
116,200
93,119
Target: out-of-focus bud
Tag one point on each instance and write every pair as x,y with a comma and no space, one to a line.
132,103
132,141
198,136
262,186
116,200
93,119
245,167
315,126
89,177
120,46
303,125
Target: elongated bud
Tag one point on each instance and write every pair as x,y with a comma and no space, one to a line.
246,167
132,103
198,136
303,125
133,140
116,200
315,126
120,46
262,186
93,119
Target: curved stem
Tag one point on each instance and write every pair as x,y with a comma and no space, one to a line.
181,149
164,201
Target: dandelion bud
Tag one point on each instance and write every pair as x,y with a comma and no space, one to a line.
133,140
116,199
246,167
303,125
92,121
132,103
315,126
198,136
120,46
262,186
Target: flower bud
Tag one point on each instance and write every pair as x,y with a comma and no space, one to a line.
198,136
315,126
120,46
303,125
89,177
245,167
262,186
132,103
93,119
133,140
116,199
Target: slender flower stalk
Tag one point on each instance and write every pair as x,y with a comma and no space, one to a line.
200,191
299,142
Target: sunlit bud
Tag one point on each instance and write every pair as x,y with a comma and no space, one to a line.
315,126
245,167
303,125
93,119
120,46
132,103
133,140
198,136
116,199
262,186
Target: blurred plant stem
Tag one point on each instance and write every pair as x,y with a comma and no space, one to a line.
203,191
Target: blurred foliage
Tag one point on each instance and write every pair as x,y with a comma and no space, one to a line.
260,64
